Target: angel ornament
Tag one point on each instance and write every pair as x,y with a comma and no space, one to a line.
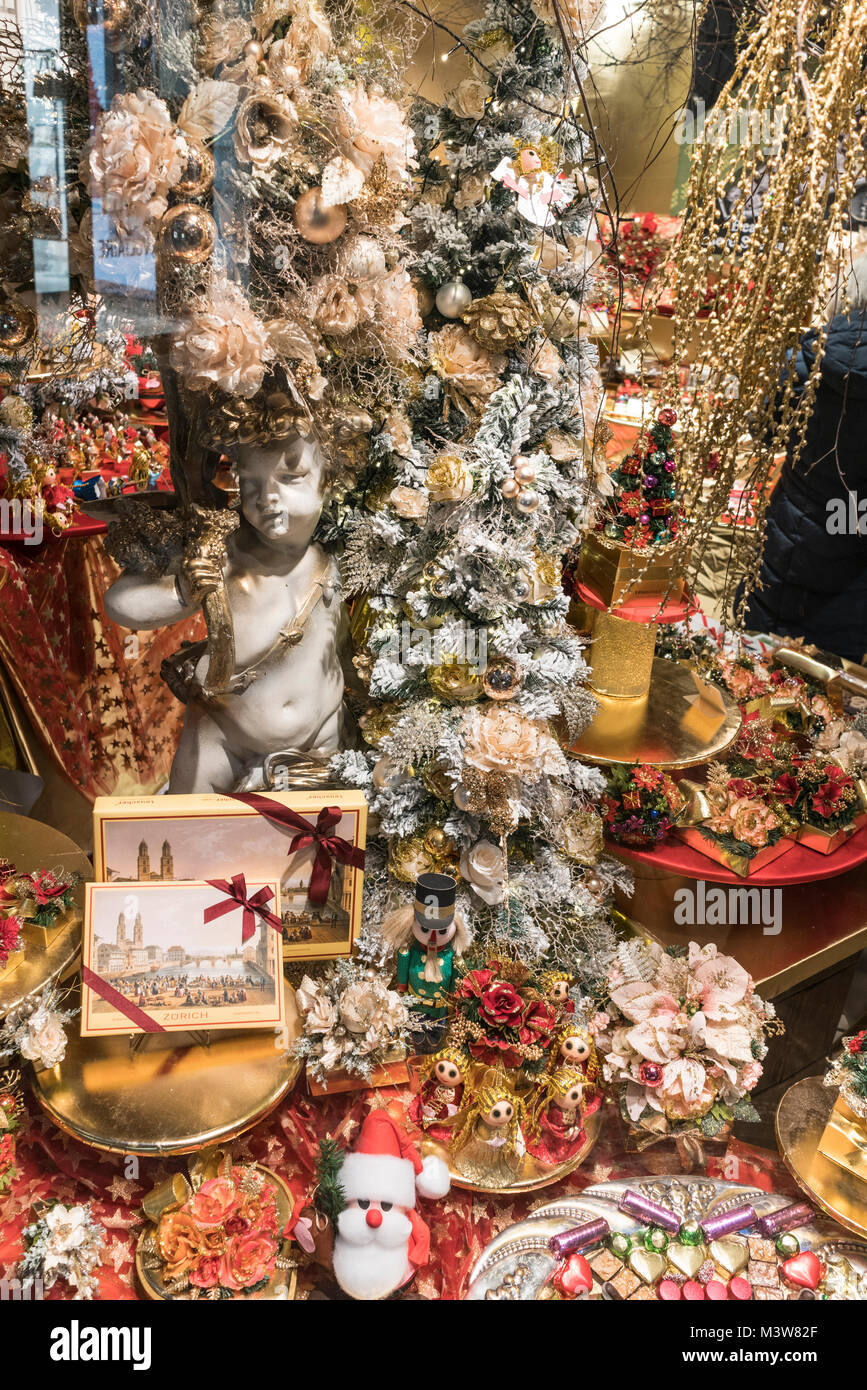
541,195
441,1093
488,1148
555,1128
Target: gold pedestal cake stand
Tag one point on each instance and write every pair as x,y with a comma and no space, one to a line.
30,845
801,1119
531,1175
169,1095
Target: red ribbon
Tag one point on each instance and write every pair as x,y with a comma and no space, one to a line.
253,907
328,847
120,1002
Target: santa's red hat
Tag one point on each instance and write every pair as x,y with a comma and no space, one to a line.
385,1166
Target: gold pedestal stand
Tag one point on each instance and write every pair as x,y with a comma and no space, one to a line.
531,1174
802,1117
48,956
168,1096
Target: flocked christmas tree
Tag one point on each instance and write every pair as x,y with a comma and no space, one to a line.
474,491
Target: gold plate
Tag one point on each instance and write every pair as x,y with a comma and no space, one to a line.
30,845
534,1175
801,1119
660,728
170,1096
153,1287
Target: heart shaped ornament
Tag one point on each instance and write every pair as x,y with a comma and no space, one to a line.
803,1271
574,1277
647,1264
730,1254
688,1259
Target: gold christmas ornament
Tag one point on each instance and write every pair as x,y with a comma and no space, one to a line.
527,500
510,487
525,471
17,326
503,678
198,171
437,842
377,723
187,234
317,223
499,321
379,199
595,885
434,779
425,296
455,681
581,839
407,858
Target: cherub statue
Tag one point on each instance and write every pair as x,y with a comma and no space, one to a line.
275,597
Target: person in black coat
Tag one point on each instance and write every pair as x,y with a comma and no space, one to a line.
814,561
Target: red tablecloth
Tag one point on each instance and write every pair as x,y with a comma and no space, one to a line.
54,1166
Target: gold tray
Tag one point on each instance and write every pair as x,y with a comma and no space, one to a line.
802,1116
534,1175
658,728
30,845
170,1096
153,1287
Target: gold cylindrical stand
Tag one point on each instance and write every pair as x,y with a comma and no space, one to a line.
620,656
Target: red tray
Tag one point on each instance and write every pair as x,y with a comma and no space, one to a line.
799,865
641,608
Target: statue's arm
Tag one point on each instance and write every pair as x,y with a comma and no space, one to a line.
140,602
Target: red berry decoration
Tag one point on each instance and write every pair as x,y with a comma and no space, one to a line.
803,1271
668,416
573,1277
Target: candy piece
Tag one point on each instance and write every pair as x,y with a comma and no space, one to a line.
625,1283
635,1205
579,1238
763,1274
605,1264
642,1295
760,1248
573,1277
730,1254
785,1218
740,1288
690,1233
693,1290
609,1292
668,1291
620,1244
676,1277
648,1265
803,1271
769,1295
707,1272
715,1227
655,1238
716,1290
687,1258
787,1245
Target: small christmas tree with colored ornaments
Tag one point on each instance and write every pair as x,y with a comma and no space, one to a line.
643,511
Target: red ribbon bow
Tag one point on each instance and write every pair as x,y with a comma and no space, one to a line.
257,905
328,847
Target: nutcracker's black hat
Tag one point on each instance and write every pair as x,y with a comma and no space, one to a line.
435,900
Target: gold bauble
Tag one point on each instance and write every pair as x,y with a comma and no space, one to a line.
316,222
254,51
198,172
377,724
510,487
110,15
424,295
455,680
438,842
187,234
499,321
434,779
503,678
595,885
17,326
408,858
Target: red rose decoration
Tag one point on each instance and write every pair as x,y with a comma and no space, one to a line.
475,983
501,1005
742,786
538,1024
248,1260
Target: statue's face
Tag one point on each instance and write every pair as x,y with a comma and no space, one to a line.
281,487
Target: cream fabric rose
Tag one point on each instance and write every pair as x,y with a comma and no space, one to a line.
457,358
360,258
397,304
358,1005
484,869
372,127
471,193
502,740
307,41
223,344
409,503
448,479
342,181
319,1013
265,126
545,361
220,37
43,1040
468,99
294,340
134,157
400,431
337,308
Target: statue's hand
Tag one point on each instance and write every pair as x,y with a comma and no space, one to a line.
198,576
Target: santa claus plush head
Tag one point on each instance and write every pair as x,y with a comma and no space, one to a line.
381,1240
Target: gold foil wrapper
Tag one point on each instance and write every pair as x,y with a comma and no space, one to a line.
844,1141
615,572
620,656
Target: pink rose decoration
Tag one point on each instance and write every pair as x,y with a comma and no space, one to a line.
685,1091
214,1203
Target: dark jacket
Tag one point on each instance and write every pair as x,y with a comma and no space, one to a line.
815,579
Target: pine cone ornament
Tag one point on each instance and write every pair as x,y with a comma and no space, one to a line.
498,321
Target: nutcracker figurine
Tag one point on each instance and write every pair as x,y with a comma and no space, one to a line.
441,1092
555,1128
429,937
